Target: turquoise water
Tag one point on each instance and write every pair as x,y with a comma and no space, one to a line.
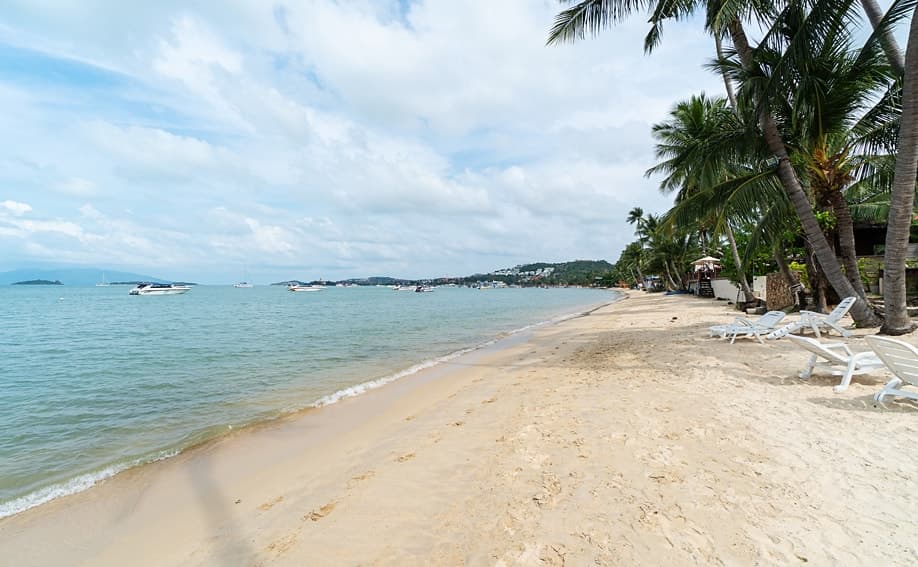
93,381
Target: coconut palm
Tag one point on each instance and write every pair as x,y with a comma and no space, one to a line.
827,109
592,16
903,195
698,146
636,217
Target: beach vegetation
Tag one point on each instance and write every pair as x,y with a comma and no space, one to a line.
819,131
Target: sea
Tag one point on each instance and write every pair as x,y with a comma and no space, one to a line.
94,381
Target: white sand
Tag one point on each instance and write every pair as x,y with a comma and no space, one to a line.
626,437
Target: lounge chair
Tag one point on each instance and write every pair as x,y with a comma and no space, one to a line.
837,358
815,321
901,359
748,328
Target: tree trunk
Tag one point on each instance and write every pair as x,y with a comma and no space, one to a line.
817,282
744,285
670,284
728,86
845,227
890,46
680,284
903,196
861,313
731,96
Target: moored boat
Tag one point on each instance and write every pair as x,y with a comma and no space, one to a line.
298,287
159,289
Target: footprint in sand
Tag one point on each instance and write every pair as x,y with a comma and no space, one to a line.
360,478
551,487
405,457
281,545
317,515
457,423
271,503
489,401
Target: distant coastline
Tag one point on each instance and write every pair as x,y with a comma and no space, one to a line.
38,282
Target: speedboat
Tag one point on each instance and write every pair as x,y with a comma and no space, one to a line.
423,289
159,289
242,284
298,287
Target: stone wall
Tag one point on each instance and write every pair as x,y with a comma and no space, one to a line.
779,295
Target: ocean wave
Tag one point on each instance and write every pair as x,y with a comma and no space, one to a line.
74,485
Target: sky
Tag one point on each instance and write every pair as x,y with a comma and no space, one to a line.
270,140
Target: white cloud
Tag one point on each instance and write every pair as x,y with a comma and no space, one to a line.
16,207
409,138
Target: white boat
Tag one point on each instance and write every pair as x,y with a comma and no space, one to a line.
159,289
103,283
298,287
242,284
404,288
423,289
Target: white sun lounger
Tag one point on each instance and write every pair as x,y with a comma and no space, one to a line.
748,328
817,321
901,359
837,359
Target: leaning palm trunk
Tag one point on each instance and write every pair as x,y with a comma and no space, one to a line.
890,46
861,313
903,196
670,283
845,227
728,86
744,285
731,96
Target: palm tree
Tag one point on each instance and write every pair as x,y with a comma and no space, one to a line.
594,15
636,218
827,110
903,195
698,148
890,46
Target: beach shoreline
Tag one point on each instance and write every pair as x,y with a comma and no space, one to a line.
290,410
624,436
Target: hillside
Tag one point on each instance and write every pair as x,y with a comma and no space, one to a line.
578,272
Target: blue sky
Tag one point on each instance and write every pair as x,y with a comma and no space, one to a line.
308,139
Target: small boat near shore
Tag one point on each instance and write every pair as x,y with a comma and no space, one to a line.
159,289
242,284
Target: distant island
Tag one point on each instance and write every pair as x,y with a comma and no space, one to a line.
38,282
584,273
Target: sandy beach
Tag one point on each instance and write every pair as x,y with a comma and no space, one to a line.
624,437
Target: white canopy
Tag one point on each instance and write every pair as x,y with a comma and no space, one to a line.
709,262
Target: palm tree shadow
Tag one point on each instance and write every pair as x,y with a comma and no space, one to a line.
231,546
